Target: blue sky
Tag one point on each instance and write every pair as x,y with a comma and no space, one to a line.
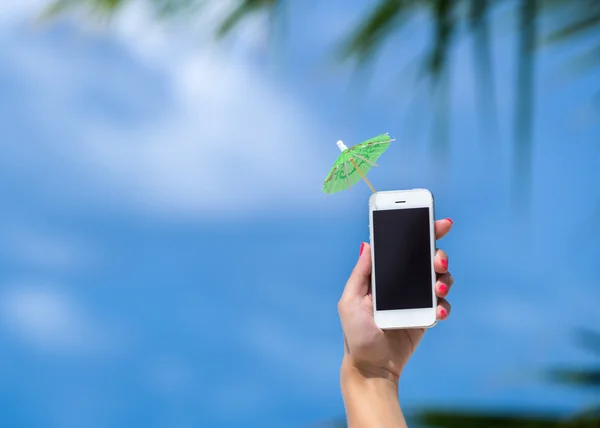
167,256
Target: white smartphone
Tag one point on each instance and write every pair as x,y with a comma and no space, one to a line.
403,278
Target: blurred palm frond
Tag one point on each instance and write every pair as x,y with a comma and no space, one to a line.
99,8
582,377
375,28
479,419
242,11
107,8
577,19
588,339
523,126
482,65
389,16
571,20
577,377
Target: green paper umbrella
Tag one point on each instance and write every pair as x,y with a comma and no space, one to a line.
354,163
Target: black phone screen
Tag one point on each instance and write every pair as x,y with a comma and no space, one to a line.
402,259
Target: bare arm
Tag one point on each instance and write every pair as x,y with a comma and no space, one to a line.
371,399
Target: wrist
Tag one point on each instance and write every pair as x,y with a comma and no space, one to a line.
356,371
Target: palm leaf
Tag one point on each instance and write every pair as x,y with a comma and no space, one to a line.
177,8
444,25
484,74
575,18
523,150
375,28
586,18
582,19
481,419
245,9
584,377
578,377
588,415
102,8
588,339
58,7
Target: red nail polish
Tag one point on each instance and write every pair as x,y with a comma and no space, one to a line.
445,263
450,220
362,247
443,313
443,288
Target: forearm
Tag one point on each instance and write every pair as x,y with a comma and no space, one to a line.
371,399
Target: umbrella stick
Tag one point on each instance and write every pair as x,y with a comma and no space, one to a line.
362,175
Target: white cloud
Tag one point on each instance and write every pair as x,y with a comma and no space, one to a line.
236,144
13,11
228,138
50,321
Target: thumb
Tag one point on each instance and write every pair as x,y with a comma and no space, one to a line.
360,279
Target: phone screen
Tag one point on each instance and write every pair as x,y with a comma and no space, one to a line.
402,259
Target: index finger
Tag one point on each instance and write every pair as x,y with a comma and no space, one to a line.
442,227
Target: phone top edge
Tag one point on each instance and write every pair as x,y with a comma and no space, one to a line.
391,192
416,189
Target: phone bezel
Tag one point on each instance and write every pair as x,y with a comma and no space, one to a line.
404,318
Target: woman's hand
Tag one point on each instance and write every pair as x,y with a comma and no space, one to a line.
373,358
372,351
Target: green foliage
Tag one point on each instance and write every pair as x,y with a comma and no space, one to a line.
588,377
244,9
479,419
588,340
580,18
164,9
578,21
589,418
571,19
105,9
377,27
390,15
580,377
102,8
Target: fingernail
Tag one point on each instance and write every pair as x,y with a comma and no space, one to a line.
450,220
443,288
362,247
445,263
443,313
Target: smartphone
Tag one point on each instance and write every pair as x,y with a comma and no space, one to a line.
403,278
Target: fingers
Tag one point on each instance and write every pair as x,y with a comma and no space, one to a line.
440,262
443,309
442,227
445,280
358,283
443,284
